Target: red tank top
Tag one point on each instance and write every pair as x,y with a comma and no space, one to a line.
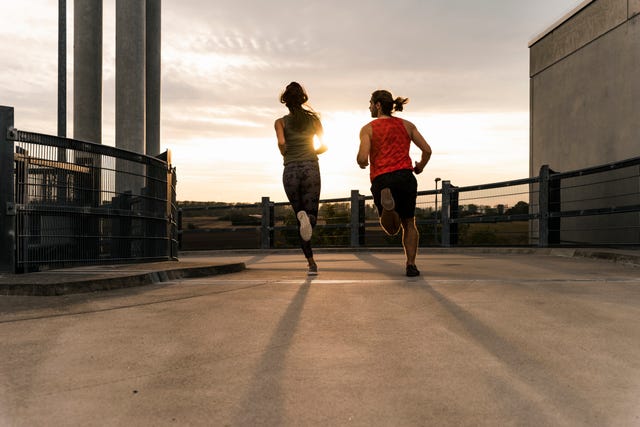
389,147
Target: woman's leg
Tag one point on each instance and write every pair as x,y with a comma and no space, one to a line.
294,179
310,193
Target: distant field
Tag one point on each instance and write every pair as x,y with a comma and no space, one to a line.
211,233
503,233
204,222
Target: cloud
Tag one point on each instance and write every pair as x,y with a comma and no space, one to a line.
225,63
456,55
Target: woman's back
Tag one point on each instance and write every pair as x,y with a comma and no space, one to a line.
299,139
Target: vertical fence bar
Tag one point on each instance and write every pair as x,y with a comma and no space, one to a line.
553,226
179,231
446,203
355,218
272,223
543,206
362,219
7,203
176,239
170,203
454,213
265,240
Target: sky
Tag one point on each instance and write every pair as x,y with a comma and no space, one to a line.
463,64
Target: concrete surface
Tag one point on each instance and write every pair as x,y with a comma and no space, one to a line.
481,338
108,277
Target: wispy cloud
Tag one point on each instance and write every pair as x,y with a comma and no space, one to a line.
225,63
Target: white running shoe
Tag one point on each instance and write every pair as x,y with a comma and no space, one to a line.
305,226
386,200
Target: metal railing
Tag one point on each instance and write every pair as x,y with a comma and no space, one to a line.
598,206
67,202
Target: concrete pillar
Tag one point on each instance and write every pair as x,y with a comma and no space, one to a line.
87,70
130,86
153,75
130,75
62,68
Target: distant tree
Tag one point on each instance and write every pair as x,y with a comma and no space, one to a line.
519,208
489,211
467,210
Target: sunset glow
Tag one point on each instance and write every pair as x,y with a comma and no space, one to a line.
224,66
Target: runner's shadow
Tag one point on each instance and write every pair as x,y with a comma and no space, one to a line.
522,365
256,258
389,269
263,403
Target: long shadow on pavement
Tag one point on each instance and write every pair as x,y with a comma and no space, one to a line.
530,371
263,403
389,269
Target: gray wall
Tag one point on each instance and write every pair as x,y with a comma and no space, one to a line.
585,107
585,90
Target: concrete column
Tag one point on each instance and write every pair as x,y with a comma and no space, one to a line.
130,75
130,86
153,76
87,70
62,68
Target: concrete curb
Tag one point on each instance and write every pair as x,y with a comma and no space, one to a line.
630,257
620,258
103,278
64,283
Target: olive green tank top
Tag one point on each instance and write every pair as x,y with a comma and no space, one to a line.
299,144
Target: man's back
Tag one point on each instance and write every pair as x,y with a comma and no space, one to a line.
389,146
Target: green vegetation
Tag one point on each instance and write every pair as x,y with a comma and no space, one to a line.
333,219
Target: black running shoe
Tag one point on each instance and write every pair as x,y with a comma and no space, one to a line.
412,271
313,270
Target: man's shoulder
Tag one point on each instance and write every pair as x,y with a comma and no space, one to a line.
408,125
404,121
368,125
366,129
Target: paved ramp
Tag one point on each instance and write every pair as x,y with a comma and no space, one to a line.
478,339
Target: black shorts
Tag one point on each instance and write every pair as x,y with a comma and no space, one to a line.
404,188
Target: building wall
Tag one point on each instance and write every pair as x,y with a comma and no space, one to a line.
585,90
585,109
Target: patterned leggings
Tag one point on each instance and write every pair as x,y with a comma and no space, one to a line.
302,184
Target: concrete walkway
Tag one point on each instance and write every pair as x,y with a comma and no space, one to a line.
522,338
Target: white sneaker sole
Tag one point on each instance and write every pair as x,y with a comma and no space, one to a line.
305,226
386,199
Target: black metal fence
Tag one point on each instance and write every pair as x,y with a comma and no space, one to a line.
66,202
598,206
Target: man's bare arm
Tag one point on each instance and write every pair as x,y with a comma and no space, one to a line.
365,147
422,144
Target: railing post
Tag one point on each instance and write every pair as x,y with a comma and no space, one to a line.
355,219
7,203
554,207
272,225
362,225
171,213
266,224
454,213
444,214
543,206
179,229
